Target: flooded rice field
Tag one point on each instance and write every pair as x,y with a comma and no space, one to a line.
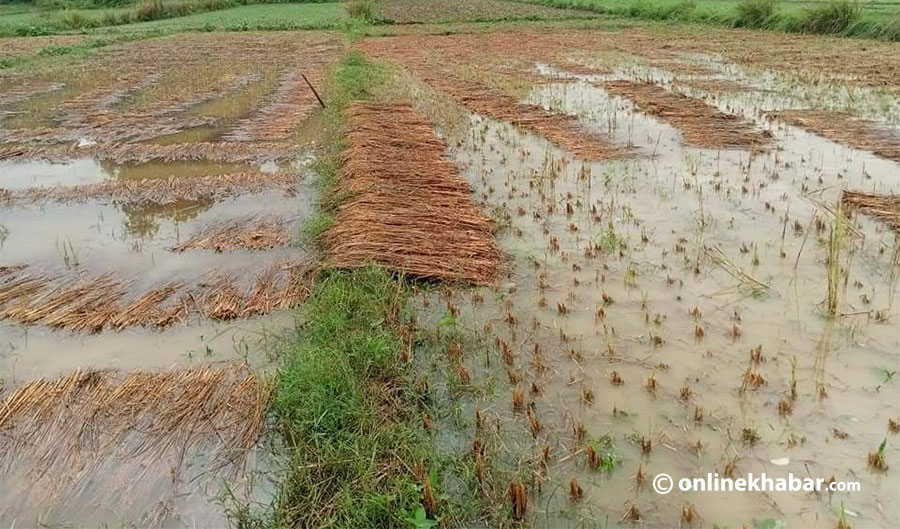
697,301
150,209
686,255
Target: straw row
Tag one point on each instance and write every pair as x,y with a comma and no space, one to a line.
59,435
98,101
292,102
565,131
254,234
185,100
702,125
408,209
843,128
161,191
85,303
883,207
228,152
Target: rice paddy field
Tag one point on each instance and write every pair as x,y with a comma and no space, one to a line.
475,264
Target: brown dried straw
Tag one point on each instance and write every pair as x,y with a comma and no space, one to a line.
229,152
158,190
243,234
563,130
85,303
702,125
291,104
59,434
843,128
883,207
408,209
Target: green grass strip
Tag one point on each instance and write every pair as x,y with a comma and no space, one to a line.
345,408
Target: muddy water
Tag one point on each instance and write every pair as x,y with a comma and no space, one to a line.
609,319
134,242
17,174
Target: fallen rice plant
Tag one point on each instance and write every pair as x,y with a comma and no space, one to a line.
27,90
229,152
718,256
563,130
60,435
243,234
291,104
407,208
22,151
702,125
883,207
843,128
157,190
84,303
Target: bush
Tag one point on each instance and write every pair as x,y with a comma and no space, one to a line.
755,13
151,10
833,17
361,9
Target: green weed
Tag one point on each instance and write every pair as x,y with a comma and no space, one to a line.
755,13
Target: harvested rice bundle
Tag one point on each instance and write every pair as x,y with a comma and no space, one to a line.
292,102
702,125
83,303
563,130
843,128
229,152
408,209
146,308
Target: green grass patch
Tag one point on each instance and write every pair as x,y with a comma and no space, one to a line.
181,15
345,412
255,17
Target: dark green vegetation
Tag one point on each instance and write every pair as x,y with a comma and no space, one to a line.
437,11
879,20
19,20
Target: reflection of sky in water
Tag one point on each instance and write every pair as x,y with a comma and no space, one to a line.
130,238
33,173
83,171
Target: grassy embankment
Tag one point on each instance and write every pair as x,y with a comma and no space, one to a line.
871,19
349,406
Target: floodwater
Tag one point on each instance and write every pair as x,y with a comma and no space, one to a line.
674,298
134,241
157,103
23,174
